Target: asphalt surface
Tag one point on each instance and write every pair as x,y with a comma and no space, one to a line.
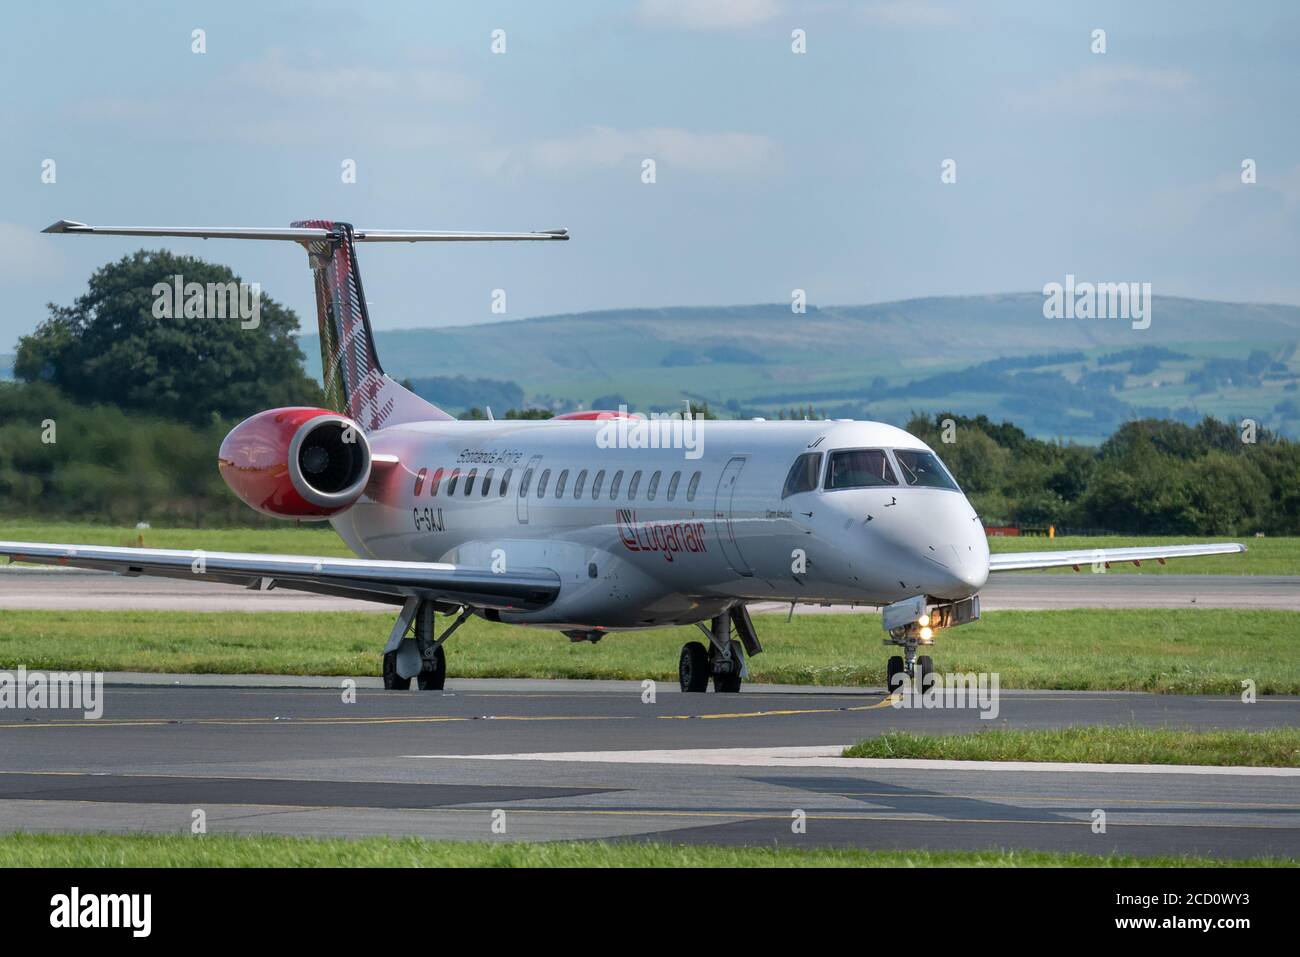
103,591
595,760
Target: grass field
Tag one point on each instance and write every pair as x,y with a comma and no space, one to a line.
1266,556
306,539
1207,651
1275,748
104,850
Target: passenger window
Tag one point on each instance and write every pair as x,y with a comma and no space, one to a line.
672,485
451,481
541,483
613,486
526,481
487,482
690,489
505,482
653,488
469,481
437,480
560,482
419,480
859,468
803,474
631,486
596,483
577,486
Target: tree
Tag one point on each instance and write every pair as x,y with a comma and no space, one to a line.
109,346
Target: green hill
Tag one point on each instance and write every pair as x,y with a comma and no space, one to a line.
992,355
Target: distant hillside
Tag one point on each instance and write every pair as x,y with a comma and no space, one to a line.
1074,379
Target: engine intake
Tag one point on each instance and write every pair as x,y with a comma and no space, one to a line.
296,462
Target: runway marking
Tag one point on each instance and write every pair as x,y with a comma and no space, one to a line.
828,756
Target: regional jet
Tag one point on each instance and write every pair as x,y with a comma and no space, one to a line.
587,523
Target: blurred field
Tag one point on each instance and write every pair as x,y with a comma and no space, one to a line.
1205,651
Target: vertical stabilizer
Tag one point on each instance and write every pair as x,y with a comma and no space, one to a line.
355,383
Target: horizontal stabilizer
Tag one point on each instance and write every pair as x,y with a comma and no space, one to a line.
301,234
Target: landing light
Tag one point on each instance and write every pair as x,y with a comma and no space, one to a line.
927,633
923,620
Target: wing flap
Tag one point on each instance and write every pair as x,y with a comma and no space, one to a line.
1021,561
373,580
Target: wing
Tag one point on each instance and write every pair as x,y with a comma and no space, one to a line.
1018,561
365,579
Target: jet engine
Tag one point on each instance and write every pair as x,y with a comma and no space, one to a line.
296,462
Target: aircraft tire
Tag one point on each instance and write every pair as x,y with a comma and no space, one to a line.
392,680
435,679
728,684
693,667
894,669
925,664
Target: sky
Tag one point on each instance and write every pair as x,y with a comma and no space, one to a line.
774,170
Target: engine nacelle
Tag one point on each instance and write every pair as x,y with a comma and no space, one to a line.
296,462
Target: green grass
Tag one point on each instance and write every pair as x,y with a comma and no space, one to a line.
1187,651
1273,748
317,539
1264,556
171,850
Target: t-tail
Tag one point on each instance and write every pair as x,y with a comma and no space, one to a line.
355,382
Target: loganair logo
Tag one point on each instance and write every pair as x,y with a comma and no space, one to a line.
666,537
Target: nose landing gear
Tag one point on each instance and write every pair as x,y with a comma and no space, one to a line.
909,663
909,626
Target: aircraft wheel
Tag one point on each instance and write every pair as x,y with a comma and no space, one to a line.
729,684
392,680
435,679
925,664
892,673
693,667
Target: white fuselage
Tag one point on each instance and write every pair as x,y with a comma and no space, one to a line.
717,530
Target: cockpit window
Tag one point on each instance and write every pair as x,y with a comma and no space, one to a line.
923,469
859,468
803,474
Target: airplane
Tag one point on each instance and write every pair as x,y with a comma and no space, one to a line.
587,523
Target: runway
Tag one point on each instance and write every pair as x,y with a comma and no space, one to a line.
74,589
589,760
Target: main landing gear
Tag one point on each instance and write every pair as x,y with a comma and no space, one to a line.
723,659
423,658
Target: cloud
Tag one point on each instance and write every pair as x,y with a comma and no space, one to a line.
606,147
911,13
1106,89
331,81
373,104
27,255
708,14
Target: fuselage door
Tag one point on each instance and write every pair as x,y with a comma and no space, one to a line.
723,525
521,496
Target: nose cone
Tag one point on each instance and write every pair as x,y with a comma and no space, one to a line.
953,547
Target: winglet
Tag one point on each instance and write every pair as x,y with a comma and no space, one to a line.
64,226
